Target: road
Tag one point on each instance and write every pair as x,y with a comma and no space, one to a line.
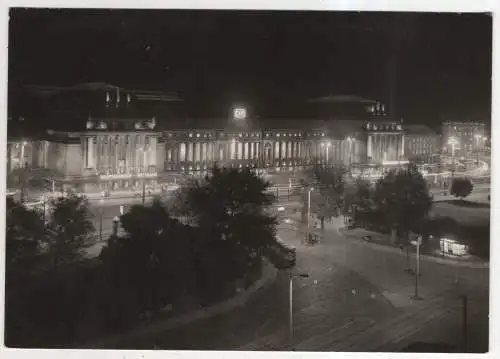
351,288
110,208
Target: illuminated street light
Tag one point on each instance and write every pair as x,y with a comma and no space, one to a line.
308,211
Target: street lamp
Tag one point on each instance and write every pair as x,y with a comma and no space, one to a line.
291,276
101,201
143,180
417,243
44,199
308,211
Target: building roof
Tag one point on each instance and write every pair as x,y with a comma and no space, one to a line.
141,95
419,130
335,128
342,99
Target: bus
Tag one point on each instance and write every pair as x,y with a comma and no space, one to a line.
282,254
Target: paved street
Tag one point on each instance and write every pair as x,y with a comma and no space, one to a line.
351,288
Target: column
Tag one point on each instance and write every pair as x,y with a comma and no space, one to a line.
239,150
208,156
276,150
232,151
369,147
245,151
402,152
196,152
91,154
252,150
189,152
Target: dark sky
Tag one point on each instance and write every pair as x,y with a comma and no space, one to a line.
272,61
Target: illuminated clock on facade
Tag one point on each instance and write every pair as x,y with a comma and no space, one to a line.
239,113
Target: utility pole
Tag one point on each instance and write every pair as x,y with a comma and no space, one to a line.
291,276
143,192
417,271
464,322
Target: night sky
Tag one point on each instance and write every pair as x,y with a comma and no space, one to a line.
437,63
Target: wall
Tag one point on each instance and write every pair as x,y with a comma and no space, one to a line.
74,159
161,148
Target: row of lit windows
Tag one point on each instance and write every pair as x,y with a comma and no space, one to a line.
384,127
243,134
105,139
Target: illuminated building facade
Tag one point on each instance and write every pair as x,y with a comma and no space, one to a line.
422,143
102,141
385,138
464,139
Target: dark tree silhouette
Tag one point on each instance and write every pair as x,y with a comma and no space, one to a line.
461,187
70,224
402,197
327,199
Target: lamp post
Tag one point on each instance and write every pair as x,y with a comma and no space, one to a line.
291,277
144,172
44,199
417,243
308,210
101,201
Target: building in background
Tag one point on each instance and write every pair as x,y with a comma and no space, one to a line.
422,144
464,140
103,137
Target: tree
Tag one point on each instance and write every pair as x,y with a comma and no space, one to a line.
461,187
148,268
402,198
328,197
69,225
228,207
24,235
358,194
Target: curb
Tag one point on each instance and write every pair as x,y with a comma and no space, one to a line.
425,257
268,276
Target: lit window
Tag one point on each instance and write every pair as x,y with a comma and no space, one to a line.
197,135
277,135
190,135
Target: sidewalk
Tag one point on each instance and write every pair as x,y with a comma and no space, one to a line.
380,242
269,273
